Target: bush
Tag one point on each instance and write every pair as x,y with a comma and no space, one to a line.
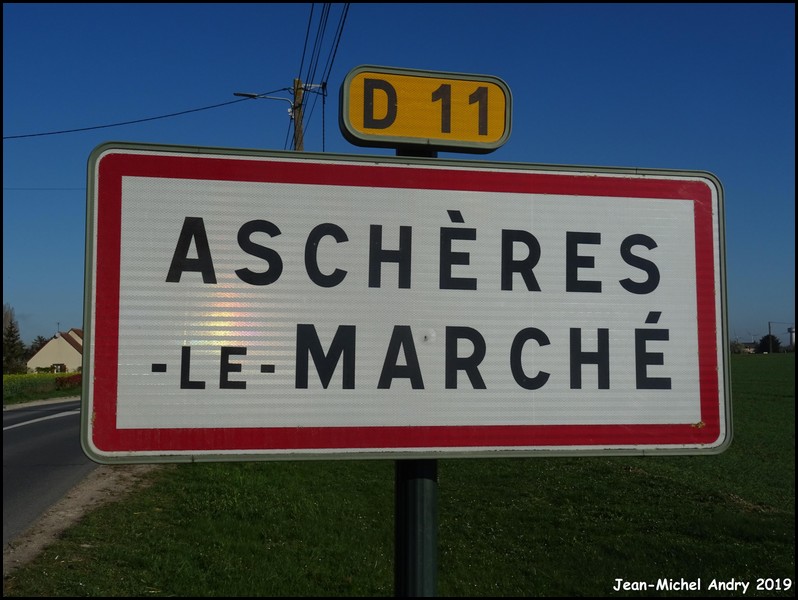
68,381
18,385
38,385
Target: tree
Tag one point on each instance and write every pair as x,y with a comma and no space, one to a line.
8,316
768,343
36,345
13,350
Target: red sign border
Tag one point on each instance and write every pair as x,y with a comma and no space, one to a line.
109,440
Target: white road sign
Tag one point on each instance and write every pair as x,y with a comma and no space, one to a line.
267,305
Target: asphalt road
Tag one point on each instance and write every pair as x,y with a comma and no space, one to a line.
42,460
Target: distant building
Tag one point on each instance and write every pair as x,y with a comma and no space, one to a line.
738,347
62,353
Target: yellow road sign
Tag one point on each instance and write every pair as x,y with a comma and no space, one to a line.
392,107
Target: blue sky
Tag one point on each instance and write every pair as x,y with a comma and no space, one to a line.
705,87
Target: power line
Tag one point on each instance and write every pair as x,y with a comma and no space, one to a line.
318,43
120,124
328,66
311,72
299,115
305,46
338,34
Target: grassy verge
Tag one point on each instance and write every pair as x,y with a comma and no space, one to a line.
507,527
31,396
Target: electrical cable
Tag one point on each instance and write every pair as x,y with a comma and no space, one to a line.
328,68
177,114
305,46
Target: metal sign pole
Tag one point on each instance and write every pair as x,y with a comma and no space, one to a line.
416,510
416,528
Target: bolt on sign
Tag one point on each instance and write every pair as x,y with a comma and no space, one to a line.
393,107
275,305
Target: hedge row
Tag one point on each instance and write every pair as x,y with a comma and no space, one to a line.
67,381
32,384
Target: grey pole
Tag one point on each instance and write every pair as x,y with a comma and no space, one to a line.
416,511
416,523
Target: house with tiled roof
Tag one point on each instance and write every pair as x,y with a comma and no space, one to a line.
63,353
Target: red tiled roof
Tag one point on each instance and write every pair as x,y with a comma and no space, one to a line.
72,342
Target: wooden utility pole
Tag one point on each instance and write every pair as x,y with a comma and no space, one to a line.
299,138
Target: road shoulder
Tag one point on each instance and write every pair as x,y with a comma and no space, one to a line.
104,484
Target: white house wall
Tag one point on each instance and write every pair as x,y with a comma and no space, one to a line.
56,351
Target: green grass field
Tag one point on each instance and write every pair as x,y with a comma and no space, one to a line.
568,526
